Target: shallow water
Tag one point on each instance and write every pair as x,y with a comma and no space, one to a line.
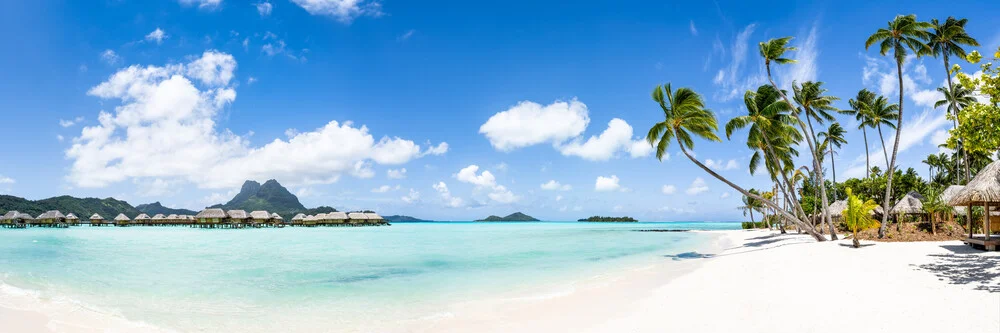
353,279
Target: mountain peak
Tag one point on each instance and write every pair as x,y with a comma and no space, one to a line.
271,197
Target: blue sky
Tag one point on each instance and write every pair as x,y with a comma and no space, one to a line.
489,108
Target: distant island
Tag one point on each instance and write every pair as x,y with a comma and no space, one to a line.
157,208
516,217
403,218
608,219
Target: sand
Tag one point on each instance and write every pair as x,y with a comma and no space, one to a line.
747,281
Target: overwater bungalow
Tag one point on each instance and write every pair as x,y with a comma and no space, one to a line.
122,220
9,217
260,217
298,219
52,217
211,216
375,218
983,190
237,217
159,219
96,220
72,219
275,218
143,219
339,218
24,218
310,220
13,219
357,218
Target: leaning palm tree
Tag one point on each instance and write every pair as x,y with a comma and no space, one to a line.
685,117
833,137
946,40
880,112
904,32
860,108
774,51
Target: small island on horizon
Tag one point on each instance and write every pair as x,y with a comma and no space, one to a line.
608,219
516,217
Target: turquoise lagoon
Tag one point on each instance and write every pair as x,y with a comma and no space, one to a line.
340,279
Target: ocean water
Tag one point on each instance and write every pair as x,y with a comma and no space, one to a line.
338,279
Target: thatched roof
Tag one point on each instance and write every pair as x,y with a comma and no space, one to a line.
299,217
211,213
357,216
949,193
10,215
174,217
373,216
159,217
122,217
142,217
52,214
260,215
984,188
25,217
310,218
908,205
321,216
71,216
276,217
337,216
237,214
96,217
837,208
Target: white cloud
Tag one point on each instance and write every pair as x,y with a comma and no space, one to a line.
720,165
805,66
382,189
529,123
271,49
731,79
412,197
604,184
483,179
60,138
71,122
559,198
502,195
698,186
926,98
692,28
203,4
440,149
396,173
617,137
724,195
449,200
344,11
406,35
157,36
251,80
264,8
668,189
164,128
304,192
154,188
502,167
111,58
6,180
553,185
219,198
246,44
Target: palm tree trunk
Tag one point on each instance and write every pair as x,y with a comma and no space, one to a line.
833,168
868,164
812,232
777,163
881,137
954,107
812,149
895,148
819,172
752,221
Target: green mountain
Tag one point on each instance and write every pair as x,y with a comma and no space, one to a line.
516,217
272,197
157,208
82,207
403,218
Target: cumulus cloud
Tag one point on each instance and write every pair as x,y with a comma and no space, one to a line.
344,11
668,189
412,197
605,184
529,123
720,165
449,200
71,122
396,173
553,185
264,8
384,189
486,180
157,36
203,4
617,137
698,186
164,128
111,58
6,180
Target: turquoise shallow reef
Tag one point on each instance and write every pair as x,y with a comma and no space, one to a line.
351,278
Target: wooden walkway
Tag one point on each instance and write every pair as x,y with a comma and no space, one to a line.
980,242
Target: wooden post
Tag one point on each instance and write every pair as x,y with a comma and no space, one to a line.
968,217
986,222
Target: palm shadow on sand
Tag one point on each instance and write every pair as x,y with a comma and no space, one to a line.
966,266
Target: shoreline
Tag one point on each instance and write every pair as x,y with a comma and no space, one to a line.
756,281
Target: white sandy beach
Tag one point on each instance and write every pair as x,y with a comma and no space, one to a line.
756,281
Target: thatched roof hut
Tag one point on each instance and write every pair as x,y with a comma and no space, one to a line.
96,218
211,213
51,216
337,216
260,215
908,205
142,218
984,188
276,218
360,217
72,218
374,217
837,208
299,218
237,215
24,217
10,216
122,218
949,193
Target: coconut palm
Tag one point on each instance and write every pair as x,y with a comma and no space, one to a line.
861,111
882,113
833,137
956,97
685,117
903,32
857,215
774,50
934,205
946,40
750,205
932,161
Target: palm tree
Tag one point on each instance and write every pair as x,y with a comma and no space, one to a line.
685,116
903,32
947,40
858,216
773,51
957,97
750,205
860,108
833,137
880,112
931,161
934,205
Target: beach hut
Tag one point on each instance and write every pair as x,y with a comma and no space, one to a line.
298,219
51,217
837,210
909,205
121,220
259,217
72,219
143,219
96,219
237,217
374,218
276,219
983,190
357,218
338,218
310,220
24,218
946,197
9,217
210,216
321,219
